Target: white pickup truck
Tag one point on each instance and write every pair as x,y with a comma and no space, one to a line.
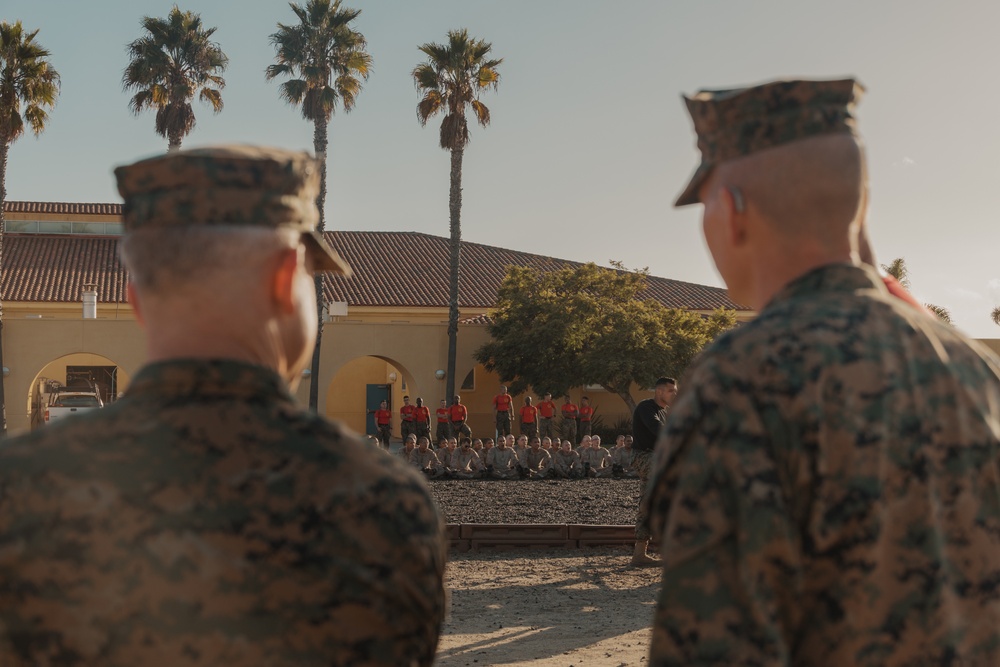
65,403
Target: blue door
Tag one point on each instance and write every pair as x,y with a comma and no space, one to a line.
374,395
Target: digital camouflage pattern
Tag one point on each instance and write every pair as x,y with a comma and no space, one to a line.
538,459
738,122
640,466
827,491
228,185
206,519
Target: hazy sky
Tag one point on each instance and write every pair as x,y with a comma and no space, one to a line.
589,142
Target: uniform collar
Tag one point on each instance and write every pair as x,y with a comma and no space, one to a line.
841,277
208,378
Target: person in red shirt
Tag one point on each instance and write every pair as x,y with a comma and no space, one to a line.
459,417
383,423
546,411
503,404
586,416
422,419
529,418
569,414
406,418
444,421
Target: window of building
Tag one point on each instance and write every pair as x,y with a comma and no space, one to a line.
469,383
63,227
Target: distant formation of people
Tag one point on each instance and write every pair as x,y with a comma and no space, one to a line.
543,419
520,458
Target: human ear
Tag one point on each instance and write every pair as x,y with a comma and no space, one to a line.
133,300
283,280
733,209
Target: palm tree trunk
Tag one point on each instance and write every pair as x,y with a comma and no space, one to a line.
173,141
319,146
455,246
4,147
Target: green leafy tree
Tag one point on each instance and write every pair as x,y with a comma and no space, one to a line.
325,62
590,325
29,86
174,61
450,82
897,269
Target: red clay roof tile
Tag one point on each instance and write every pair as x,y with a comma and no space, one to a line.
61,208
391,269
410,269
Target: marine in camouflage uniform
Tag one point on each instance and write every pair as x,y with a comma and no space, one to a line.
465,462
205,518
827,491
537,461
566,462
427,461
501,461
600,461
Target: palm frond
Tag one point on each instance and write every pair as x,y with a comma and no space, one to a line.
175,118
897,269
942,313
325,55
29,84
454,131
140,102
293,91
212,97
995,315
482,112
429,106
455,72
169,65
425,77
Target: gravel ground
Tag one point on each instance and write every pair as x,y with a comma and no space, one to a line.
548,608
585,501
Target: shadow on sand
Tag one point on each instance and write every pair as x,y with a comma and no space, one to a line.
535,605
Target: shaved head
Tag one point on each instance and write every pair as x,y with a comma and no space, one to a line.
812,188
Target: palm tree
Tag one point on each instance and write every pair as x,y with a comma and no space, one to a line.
450,81
995,315
942,313
326,62
29,86
168,66
898,270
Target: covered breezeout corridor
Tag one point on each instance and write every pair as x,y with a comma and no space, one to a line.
42,353
81,371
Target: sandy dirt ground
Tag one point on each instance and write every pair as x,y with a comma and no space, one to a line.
548,607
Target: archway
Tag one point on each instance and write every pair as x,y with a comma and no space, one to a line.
77,370
358,385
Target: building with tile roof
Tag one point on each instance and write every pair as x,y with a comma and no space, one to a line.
386,324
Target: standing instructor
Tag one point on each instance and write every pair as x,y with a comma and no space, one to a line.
647,421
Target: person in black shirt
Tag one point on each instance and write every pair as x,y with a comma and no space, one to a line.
647,420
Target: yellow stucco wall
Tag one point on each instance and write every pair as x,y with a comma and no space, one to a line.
34,346
354,355
345,400
991,343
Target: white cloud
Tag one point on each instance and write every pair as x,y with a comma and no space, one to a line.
904,162
994,284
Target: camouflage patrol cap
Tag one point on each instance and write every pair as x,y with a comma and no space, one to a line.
228,185
737,122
